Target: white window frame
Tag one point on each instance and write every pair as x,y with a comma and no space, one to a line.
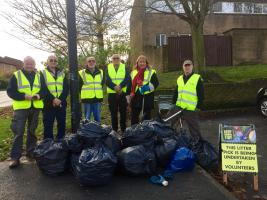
162,39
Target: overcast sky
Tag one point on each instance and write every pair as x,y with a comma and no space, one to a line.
13,47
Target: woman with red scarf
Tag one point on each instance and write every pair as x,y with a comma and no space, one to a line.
144,82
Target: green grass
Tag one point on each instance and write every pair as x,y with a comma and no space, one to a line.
240,73
6,134
230,74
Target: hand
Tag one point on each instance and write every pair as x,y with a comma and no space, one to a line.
144,89
118,89
28,97
128,98
56,102
36,97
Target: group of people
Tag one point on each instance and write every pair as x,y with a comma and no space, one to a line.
47,90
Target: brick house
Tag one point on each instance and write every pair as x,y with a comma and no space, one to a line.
244,22
9,65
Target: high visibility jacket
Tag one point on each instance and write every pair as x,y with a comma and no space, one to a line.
55,86
25,87
92,87
147,77
187,93
116,76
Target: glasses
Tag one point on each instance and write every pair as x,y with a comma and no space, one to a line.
115,58
52,60
187,65
91,61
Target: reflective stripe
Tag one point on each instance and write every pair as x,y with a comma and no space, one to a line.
92,83
186,101
19,79
34,85
92,89
23,86
55,83
117,79
187,92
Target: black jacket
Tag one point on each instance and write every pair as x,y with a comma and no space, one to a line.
137,101
48,100
96,72
12,88
124,83
200,91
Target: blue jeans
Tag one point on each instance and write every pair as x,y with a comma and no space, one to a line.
94,108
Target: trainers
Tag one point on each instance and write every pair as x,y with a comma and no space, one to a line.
14,164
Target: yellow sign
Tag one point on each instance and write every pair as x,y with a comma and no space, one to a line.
239,158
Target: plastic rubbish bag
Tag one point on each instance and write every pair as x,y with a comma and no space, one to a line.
138,135
51,157
161,129
90,132
182,160
113,142
206,154
73,143
95,166
164,149
137,160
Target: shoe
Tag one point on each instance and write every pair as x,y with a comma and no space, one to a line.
14,164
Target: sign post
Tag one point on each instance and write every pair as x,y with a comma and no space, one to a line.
239,151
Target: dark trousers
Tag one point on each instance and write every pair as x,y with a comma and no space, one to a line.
49,116
117,103
135,115
20,118
191,118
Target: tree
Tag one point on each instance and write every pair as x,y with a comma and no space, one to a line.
44,21
194,13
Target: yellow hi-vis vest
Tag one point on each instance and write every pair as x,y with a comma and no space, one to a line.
25,87
55,86
187,93
147,77
116,77
92,87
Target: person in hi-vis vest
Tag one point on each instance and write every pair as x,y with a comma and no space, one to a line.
117,80
189,95
27,92
143,85
55,102
91,81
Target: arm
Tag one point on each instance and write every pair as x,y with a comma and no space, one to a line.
154,81
12,90
200,93
175,95
65,91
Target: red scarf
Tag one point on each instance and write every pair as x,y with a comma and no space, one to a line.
138,80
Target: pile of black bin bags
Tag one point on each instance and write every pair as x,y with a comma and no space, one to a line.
96,152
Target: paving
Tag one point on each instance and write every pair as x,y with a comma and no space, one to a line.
5,101
27,182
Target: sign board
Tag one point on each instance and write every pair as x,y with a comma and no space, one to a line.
238,148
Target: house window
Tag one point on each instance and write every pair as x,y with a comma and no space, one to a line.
161,39
217,7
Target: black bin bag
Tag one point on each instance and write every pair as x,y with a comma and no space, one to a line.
51,157
95,166
137,160
73,143
161,129
138,134
206,154
164,149
91,132
113,142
